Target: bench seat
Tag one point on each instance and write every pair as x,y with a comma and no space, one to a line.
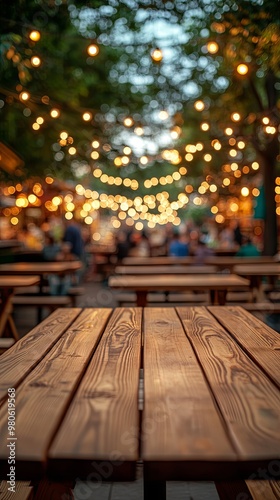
50,301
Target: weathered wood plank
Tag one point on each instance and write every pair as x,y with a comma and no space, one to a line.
249,490
261,342
22,491
99,435
43,397
264,490
181,427
16,363
248,400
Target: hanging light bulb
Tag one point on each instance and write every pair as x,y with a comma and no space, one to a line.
242,69
212,47
24,96
35,61
93,50
35,35
157,55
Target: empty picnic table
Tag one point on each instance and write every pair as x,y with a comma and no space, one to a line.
211,399
8,284
41,269
176,269
157,261
217,284
255,273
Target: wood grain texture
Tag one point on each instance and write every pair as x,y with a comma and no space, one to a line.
43,397
23,491
259,340
178,282
258,270
180,420
264,490
167,269
102,423
16,363
249,402
18,281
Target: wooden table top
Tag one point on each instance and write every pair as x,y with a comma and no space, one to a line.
211,392
174,269
258,270
177,282
222,260
157,261
40,267
18,281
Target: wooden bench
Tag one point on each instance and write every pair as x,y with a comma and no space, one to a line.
73,292
129,298
52,302
6,343
265,307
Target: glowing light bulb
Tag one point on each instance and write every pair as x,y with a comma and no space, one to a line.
157,55
242,69
35,35
24,96
212,47
93,50
35,61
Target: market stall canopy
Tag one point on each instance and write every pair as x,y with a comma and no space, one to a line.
9,160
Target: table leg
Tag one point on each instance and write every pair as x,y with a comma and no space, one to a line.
141,298
40,309
213,300
154,490
6,315
222,297
218,297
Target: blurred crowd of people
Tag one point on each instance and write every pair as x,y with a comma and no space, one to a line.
187,240
68,240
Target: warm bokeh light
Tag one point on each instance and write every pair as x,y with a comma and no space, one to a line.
54,113
205,126
128,122
24,96
236,117
87,116
212,47
242,69
156,55
93,50
245,191
199,105
35,35
35,61
228,131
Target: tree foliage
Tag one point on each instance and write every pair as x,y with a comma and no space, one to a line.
124,81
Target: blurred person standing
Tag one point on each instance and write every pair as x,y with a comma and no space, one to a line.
73,236
178,247
247,248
